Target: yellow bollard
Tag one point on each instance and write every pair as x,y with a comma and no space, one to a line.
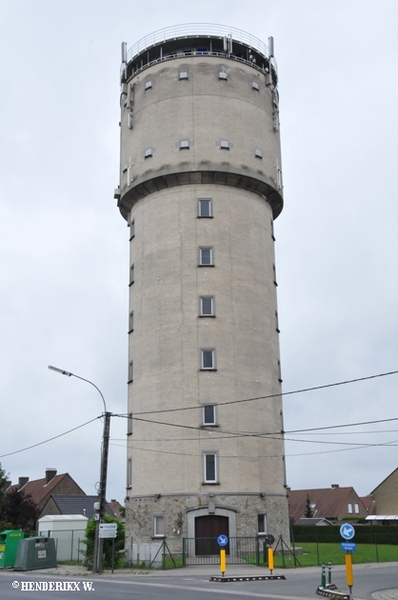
348,570
222,562
270,559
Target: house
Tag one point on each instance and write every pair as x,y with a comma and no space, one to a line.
332,503
72,504
386,495
41,489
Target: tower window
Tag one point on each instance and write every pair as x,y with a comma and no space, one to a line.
148,153
205,207
148,85
131,274
129,473
206,256
131,322
262,524
206,306
274,272
255,86
210,467
222,75
130,424
184,145
258,153
277,321
224,145
158,526
208,359
131,372
132,229
209,416
183,75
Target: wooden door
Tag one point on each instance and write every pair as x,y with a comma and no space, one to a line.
207,530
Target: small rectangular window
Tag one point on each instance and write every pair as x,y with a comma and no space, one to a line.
274,274
262,524
255,85
131,372
207,359
132,229
131,321
184,145
183,75
148,85
148,152
131,274
222,75
129,479
277,321
205,207
349,507
130,424
210,467
272,230
224,145
209,416
206,256
125,167
258,153
206,306
158,526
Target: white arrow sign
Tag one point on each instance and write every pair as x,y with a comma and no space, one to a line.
347,531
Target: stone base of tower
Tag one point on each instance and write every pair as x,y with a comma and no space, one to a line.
174,517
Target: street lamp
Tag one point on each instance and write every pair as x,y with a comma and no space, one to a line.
97,556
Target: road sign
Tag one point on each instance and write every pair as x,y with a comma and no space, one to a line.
269,539
347,531
222,540
348,546
108,530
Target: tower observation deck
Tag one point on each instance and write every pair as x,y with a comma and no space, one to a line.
200,186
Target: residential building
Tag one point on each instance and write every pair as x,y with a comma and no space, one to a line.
386,495
334,503
200,187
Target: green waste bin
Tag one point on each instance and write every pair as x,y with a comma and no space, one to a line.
9,540
36,553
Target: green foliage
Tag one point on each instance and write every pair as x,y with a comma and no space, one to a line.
19,510
308,510
3,479
364,534
107,544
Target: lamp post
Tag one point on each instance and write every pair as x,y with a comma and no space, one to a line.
97,556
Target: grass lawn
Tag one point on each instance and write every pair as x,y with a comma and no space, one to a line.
316,554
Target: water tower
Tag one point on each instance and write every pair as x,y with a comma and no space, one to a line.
200,187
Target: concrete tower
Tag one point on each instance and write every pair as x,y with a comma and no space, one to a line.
200,186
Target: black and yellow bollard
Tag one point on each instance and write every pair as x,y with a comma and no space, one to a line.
222,561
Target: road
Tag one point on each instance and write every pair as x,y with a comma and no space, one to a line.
300,584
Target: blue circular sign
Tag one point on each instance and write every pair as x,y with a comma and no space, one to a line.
347,531
222,540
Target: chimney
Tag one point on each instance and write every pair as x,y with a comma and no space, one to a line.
6,485
22,481
50,474
335,485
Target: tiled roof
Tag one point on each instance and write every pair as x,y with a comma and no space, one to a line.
331,503
70,504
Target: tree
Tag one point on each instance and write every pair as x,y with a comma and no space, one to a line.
3,479
308,509
19,510
107,543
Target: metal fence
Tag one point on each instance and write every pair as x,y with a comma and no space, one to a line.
205,551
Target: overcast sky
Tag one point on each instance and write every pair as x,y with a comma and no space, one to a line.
64,246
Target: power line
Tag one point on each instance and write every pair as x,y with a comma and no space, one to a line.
290,393
50,439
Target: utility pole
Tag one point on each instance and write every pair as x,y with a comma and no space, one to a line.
98,543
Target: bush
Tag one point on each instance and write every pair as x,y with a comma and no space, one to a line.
107,544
